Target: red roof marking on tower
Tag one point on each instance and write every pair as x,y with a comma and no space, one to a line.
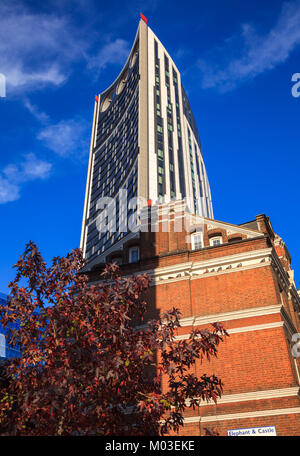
144,18
96,98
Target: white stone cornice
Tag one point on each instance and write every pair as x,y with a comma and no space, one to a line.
241,329
228,316
276,324
213,266
253,396
240,416
253,255
202,320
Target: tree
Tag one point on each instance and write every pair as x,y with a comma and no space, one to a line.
85,366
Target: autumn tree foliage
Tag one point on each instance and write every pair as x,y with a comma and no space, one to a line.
86,367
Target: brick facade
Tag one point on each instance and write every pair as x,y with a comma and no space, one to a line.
246,283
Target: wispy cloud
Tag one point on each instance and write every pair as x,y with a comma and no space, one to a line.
39,49
8,191
256,54
36,112
67,137
13,176
114,52
36,49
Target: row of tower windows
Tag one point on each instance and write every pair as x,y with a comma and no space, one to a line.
159,128
170,127
180,151
98,242
115,163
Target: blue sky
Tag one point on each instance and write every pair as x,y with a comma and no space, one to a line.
236,59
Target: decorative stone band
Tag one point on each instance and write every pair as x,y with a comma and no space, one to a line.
242,397
255,396
215,266
238,315
241,416
276,324
242,314
228,316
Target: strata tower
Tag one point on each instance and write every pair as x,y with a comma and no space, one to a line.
145,145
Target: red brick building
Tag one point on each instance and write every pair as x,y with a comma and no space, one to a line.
239,275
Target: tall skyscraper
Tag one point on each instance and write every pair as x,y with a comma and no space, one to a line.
145,145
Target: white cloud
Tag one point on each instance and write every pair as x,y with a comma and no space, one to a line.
13,176
19,78
114,52
33,168
8,191
36,49
36,112
67,137
257,54
39,49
